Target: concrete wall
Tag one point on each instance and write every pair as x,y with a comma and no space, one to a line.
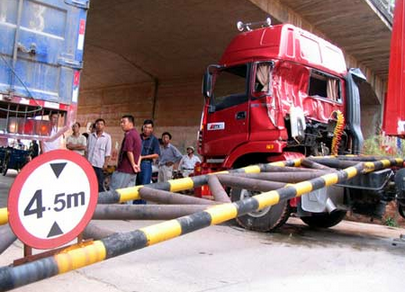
178,111
178,107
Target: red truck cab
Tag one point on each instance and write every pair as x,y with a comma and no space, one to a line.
270,85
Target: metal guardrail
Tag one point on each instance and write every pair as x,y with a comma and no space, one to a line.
117,244
386,8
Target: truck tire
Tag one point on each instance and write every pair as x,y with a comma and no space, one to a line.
267,219
324,220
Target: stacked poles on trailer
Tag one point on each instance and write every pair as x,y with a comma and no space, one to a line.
118,244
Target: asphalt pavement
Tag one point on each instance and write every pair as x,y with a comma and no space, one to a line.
349,257
5,183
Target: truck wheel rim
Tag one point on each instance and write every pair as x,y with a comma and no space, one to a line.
245,194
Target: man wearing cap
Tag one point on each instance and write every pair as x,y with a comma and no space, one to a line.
188,161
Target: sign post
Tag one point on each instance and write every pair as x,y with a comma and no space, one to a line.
52,199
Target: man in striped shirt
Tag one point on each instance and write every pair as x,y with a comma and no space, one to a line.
99,151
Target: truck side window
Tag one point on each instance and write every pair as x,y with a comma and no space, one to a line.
321,85
230,87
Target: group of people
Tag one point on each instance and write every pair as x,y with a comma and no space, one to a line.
138,152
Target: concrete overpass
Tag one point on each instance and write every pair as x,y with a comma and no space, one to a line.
146,57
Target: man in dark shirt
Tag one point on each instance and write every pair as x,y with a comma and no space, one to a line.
149,152
128,158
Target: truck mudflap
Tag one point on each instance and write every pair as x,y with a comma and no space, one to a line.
324,200
353,107
297,180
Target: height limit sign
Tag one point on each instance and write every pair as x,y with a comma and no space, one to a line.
52,199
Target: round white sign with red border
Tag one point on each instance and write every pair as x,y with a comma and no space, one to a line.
53,199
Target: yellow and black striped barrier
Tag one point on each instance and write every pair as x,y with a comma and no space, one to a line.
121,243
3,216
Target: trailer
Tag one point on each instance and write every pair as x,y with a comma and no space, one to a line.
41,53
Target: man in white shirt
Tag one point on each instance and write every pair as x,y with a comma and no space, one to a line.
76,142
188,161
99,151
55,140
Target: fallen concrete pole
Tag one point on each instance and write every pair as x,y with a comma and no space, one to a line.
332,162
285,177
217,190
357,158
94,232
122,243
7,237
249,183
164,197
273,168
314,165
145,212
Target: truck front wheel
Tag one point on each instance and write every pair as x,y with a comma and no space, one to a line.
267,219
324,220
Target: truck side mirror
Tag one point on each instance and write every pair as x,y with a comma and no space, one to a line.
207,84
207,87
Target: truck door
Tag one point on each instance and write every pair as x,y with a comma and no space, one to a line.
227,115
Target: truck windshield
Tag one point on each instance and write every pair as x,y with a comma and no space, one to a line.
230,87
